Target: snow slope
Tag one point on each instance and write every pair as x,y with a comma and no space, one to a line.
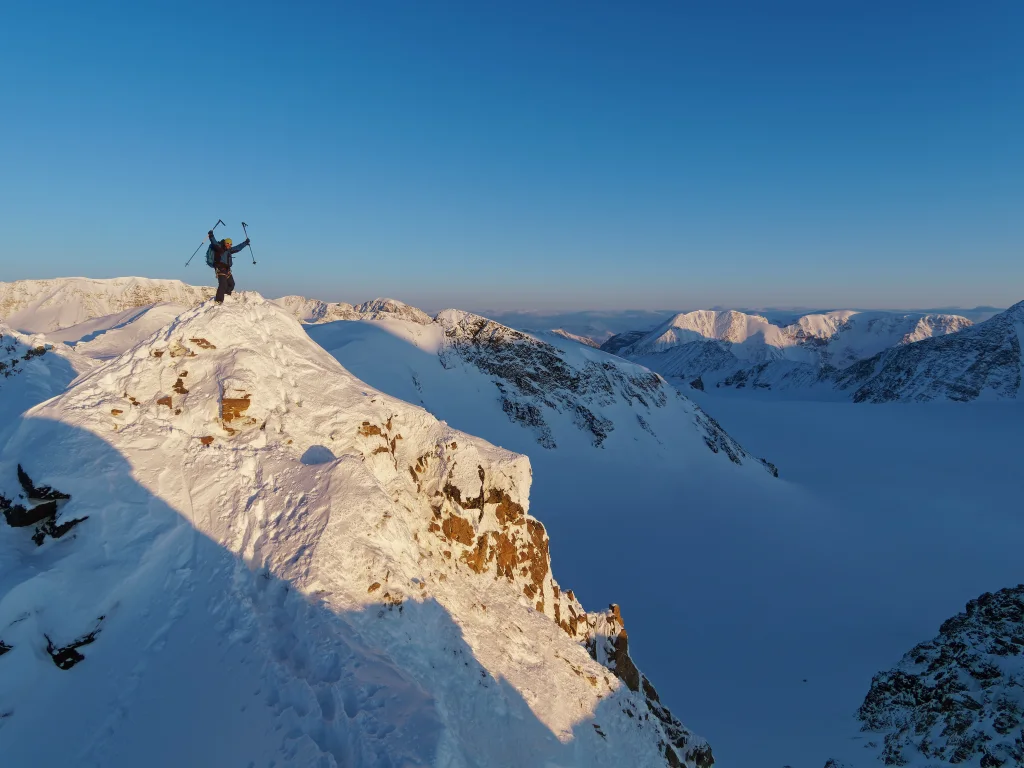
225,549
585,340
957,699
980,362
912,510
103,338
48,305
32,370
734,349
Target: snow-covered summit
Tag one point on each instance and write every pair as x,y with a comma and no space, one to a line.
378,309
223,533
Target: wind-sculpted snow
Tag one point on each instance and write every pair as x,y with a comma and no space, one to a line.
983,361
275,562
736,350
955,700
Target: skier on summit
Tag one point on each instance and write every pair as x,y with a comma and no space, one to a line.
219,256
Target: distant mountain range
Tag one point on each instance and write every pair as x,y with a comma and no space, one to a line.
868,356
600,325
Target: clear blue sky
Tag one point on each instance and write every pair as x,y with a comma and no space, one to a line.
527,154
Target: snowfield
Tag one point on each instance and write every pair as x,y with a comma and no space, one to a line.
222,533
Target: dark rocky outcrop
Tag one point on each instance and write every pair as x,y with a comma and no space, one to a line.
13,353
958,698
532,375
67,656
619,341
39,508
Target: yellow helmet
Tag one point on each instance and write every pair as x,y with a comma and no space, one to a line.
227,242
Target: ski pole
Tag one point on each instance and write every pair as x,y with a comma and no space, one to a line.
219,222
250,244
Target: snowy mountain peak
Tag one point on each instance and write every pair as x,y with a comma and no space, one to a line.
362,584
379,309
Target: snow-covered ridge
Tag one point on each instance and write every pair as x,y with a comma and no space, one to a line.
48,305
316,311
585,340
983,361
367,586
957,699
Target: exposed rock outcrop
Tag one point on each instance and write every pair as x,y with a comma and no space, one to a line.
957,699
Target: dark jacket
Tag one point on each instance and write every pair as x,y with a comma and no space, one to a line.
222,254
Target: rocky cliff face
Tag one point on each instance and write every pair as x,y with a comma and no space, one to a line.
361,584
955,700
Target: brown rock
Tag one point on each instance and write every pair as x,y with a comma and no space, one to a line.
179,387
477,558
164,401
233,407
116,411
202,343
458,529
374,587
507,511
206,440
